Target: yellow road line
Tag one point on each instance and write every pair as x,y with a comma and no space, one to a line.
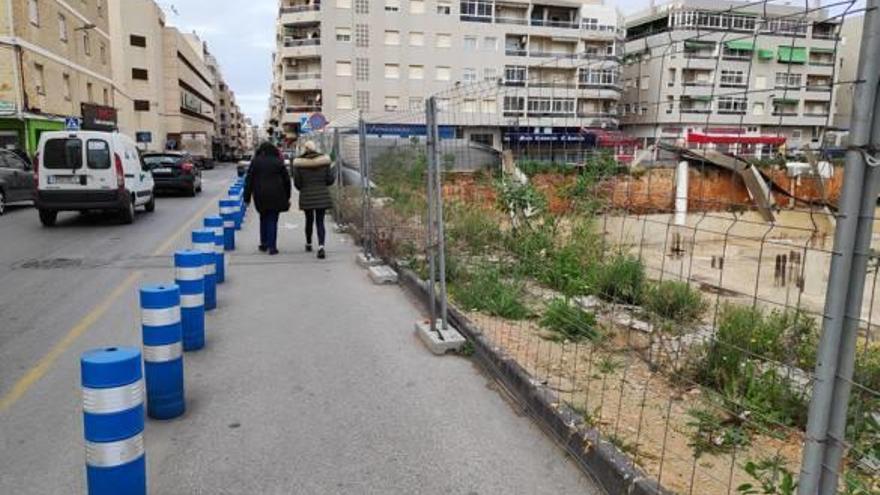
45,363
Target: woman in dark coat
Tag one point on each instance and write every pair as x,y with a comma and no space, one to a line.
268,182
312,176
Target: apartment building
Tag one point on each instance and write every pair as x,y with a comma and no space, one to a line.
188,93
740,76
55,64
850,49
555,64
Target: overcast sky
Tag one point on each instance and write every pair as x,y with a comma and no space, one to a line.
241,33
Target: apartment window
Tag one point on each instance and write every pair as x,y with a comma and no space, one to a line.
140,74
90,93
553,106
343,68
416,38
65,79
343,4
416,71
362,36
416,103
732,78
490,74
514,104
102,48
787,80
392,38
444,40
40,79
392,103
416,6
137,40
488,105
477,10
469,74
141,105
361,6
443,73
469,106
343,34
392,71
344,102
444,7
62,27
34,12
490,44
730,105
363,100
515,74
87,44
362,69
470,42
392,5
106,96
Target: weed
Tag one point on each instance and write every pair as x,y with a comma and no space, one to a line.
476,230
570,321
771,477
620,279
486,290
675,301
711,435
607,365
468,349
534,167
521,202
624,446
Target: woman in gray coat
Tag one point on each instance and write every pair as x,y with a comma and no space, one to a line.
312,176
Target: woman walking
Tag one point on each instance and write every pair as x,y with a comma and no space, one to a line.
312,176
268,182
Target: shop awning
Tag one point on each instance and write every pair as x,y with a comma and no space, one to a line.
744,45
766,54
702,138
793,55
613,138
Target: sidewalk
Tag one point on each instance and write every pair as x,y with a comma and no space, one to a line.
313,382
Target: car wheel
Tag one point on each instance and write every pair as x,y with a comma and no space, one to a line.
2,202
127,214
150,207
48,217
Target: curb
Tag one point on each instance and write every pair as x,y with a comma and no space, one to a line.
599,459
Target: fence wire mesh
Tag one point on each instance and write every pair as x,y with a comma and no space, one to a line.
669,286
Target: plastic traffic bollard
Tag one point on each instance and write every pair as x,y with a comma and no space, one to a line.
163,350
203,241
227,212
215,224
189,274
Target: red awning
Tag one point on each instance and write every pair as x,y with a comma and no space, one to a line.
610,138
700,138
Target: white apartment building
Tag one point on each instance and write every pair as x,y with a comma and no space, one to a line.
738,76
555,64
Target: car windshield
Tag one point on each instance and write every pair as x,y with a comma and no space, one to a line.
156,161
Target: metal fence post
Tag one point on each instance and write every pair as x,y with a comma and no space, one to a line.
439,231
365,189
338,159
836,354
432,240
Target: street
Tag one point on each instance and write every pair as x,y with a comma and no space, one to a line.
312,380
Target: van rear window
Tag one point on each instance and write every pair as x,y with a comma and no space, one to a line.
98,154
66,153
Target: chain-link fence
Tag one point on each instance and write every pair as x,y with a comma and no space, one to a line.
686,296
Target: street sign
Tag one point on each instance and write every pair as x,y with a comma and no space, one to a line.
304,126
72,123
144,137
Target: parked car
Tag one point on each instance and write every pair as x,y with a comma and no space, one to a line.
243,165
174,171
90,170
16,180
203,163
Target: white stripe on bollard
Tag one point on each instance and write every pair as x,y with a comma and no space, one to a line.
229,224
204,247
163,353
227,210
160,317
211,269
190,274
112,454
192,300
113,400
218,249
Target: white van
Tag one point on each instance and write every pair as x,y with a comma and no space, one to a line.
90,170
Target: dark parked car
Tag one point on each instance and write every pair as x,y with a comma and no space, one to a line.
174,171
16,180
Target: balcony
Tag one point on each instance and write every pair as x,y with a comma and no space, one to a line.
295,9
298,14
696,110
301,48
515,52
302,77
293,42
543,54
818,87
697,84
302,108
298,81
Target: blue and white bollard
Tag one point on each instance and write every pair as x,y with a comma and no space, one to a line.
189,274
227,212
236,194
113,419
215,225
203,241
163,350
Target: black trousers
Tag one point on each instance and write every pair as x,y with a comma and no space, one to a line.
314,217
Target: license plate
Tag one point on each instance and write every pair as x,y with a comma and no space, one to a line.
161,170
63,179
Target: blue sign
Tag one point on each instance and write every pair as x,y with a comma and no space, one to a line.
304,126
317,121
409,130
528,137
72,123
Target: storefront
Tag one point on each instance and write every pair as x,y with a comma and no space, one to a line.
23,132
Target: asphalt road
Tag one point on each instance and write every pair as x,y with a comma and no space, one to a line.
312,380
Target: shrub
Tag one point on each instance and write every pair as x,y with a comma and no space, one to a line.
520,202
531,248
771,478
675,301
620,279
485,290
474,229
712,435
569,321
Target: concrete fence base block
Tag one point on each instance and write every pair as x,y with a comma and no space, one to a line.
383,275
451,340
365,261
